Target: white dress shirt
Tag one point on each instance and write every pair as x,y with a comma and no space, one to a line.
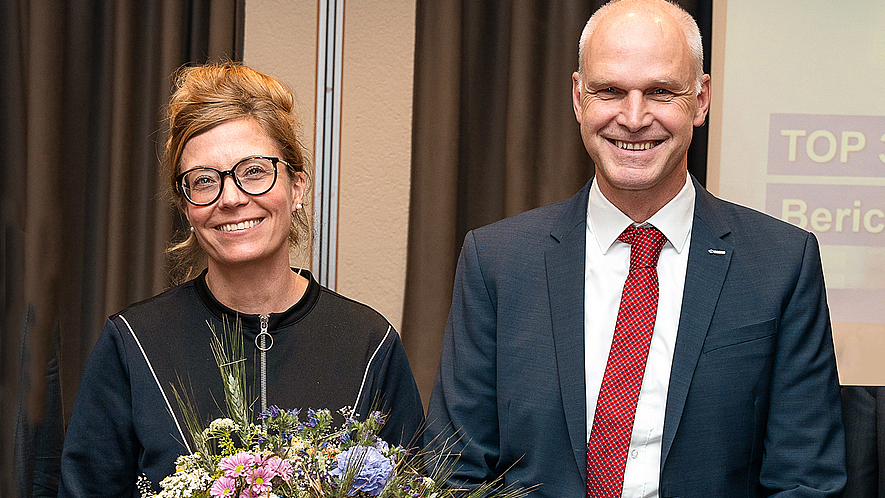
607,266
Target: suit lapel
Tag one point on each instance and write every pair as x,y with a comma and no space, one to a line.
708,259
565,285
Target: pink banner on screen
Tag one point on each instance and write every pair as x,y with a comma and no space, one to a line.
840,215
838,157
843,215
826,145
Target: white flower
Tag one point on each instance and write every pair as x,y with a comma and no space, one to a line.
187,481
223,425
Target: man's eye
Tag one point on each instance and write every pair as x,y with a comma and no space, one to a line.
605,93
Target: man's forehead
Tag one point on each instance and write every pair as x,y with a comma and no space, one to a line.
631,31
641,18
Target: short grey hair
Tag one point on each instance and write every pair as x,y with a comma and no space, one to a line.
686,22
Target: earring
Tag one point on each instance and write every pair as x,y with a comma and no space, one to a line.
192,229
298,206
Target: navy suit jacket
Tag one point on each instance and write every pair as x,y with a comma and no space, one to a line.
753,406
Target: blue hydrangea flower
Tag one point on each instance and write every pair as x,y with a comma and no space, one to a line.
373,472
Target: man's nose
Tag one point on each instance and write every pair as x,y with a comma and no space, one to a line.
635,113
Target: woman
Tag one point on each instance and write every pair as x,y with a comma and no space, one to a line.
237,173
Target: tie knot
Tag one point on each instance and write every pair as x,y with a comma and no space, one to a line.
645,246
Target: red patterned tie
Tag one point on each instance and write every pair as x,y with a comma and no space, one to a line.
616,406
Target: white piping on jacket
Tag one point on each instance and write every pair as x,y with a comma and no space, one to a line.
368,366
165,398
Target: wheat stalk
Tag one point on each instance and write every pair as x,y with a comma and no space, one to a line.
229,357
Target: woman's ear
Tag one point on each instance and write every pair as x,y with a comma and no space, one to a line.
299,184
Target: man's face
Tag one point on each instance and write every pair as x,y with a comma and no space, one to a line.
637,105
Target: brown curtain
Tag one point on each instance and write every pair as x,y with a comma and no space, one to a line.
494,134
85,220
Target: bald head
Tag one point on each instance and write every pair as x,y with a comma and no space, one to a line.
664,12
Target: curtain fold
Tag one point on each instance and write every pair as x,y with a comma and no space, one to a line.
494,134
85,217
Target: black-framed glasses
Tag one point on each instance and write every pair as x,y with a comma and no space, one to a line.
254,175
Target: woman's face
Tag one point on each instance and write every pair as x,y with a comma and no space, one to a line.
240,229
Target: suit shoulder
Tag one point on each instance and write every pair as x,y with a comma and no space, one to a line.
536,222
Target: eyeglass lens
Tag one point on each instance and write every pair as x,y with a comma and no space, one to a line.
253,176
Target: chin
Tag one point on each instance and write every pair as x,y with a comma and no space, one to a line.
633,179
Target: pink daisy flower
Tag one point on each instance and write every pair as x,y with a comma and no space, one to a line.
279,467
260,480
237,465
224,487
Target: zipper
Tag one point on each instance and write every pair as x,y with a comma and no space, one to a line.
261,344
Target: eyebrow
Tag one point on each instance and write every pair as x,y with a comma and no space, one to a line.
663,82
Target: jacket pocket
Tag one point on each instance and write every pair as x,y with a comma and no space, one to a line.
740,335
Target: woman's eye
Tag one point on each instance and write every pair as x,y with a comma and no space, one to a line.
203,181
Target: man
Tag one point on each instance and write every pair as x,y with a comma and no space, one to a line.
543,358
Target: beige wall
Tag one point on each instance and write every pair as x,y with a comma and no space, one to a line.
376,123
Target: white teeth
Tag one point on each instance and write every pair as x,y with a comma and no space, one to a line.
635,145
238,226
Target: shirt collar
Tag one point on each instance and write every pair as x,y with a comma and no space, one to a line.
606,222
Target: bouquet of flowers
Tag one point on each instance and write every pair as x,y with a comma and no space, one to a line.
290,457
286,454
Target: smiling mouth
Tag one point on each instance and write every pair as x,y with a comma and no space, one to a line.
233,227
636,145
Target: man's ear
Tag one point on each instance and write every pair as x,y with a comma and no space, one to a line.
703,102
576,95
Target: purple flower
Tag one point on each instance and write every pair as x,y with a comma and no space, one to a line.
373,469
272,412
381,444
379,417
311,418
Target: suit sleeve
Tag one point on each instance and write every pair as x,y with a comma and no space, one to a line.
462,416
100,449
805,439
